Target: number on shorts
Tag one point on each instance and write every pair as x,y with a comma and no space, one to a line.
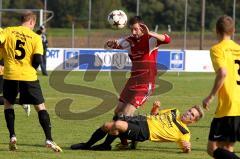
238,62
19,47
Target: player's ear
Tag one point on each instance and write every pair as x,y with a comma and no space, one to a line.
31,22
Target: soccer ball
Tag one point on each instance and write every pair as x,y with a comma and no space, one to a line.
117,19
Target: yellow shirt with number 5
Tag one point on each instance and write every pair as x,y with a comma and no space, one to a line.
20,44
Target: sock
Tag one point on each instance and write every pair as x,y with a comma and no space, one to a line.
220,153
44,120
109,139
10,117
96,136
115,117
124,141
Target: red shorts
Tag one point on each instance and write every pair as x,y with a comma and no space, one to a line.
136,94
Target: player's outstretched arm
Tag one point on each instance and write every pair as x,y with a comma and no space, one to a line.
112,44
164,38
218,83
155,108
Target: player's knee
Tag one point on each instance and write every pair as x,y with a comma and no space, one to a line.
228,147
107,126
7,104
210,150
40,107
119,125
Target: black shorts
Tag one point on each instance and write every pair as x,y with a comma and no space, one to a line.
225,129
30,92
137,128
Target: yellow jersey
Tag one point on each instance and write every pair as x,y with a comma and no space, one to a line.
1,47
1,53
167,126
20,44
1,66
226,54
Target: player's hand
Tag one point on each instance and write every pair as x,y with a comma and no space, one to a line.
206,102
155,107
186,146
111,44
157,104
144,28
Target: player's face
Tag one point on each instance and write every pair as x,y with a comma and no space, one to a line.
190,116
136,30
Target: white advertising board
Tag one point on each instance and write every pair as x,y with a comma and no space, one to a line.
198,61
191,60
54,58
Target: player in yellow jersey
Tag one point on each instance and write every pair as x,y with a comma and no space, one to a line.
166,125
26,107
22,55
225,126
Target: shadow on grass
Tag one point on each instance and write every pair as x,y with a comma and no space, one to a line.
199,126
20,149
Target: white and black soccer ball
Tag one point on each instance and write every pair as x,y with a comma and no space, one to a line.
117,19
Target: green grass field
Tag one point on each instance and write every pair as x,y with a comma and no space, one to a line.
188,89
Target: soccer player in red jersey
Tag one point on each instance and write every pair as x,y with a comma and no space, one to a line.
142,46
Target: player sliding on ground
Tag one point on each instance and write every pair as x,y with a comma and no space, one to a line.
166,125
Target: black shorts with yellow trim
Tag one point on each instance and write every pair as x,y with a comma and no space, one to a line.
30,92
225,129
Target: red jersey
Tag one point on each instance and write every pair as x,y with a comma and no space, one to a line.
143,54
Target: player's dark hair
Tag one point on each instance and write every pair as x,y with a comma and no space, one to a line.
134,20
28,15
225,25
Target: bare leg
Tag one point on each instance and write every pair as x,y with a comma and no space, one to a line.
223,150
125,109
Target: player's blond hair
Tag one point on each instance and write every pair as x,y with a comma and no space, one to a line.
28,15
225,25
200,111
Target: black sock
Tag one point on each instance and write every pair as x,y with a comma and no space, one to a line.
109,139
124,140
10,117
220,153
96,136
44,120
